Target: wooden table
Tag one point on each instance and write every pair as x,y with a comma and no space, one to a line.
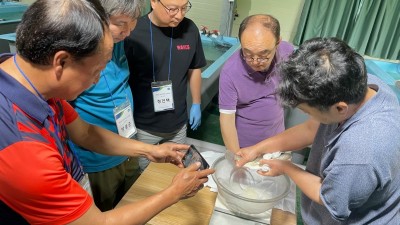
280,217
193,211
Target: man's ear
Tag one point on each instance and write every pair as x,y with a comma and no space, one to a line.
152,3
279,41
60,59
342,108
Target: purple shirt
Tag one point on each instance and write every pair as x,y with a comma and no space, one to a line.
259,114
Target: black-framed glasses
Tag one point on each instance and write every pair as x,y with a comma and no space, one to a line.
251,59
174,11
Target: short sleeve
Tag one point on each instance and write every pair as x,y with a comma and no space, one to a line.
347,187
35,185
228,96
199,59
69,112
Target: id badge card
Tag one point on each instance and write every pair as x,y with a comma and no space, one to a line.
162,96
124,119
85,184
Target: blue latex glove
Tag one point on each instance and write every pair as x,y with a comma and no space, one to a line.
195,116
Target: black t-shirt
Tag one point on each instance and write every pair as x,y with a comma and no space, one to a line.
186,53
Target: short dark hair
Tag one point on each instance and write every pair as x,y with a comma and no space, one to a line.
49,26
322,72
268,21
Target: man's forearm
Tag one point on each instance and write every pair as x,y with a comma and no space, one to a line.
229,132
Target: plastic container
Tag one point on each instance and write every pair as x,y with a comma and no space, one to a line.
258,196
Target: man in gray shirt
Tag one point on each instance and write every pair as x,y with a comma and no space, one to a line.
352,174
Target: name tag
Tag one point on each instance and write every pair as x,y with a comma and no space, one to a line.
124,119
163,98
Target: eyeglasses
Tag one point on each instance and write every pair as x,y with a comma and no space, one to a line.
174,11
250,59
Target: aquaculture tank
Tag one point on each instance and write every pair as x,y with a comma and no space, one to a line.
387,71
10,16
217,50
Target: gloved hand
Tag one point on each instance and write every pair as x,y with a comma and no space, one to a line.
195,116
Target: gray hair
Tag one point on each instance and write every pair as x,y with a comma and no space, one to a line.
49,26
131,8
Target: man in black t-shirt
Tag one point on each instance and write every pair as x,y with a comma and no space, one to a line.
164,53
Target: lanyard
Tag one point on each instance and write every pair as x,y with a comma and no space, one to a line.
108,85
152,51
29,81
111,94
52,116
